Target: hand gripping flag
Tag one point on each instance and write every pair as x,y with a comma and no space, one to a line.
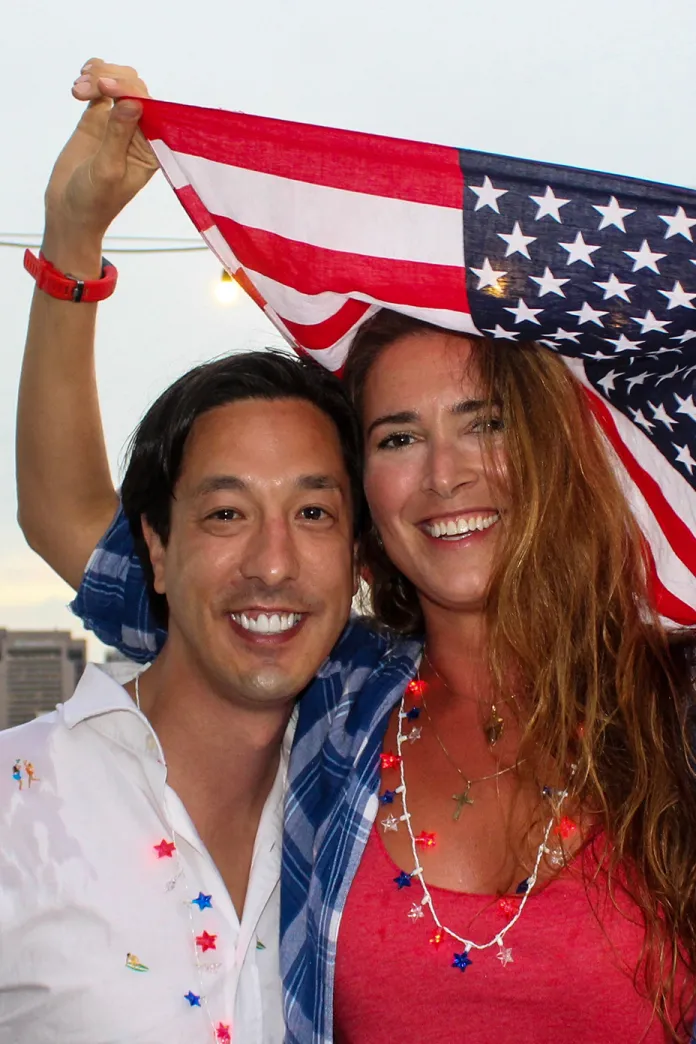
323,227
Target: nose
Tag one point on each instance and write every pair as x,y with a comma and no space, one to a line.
270,554
448,468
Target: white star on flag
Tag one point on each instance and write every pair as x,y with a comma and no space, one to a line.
487,195
623,344
684,457
613,214
614,288
686,406
678,224
488,276
649,323
607,382
549,284
516,241
644,258
566,335
579,250
668,376
678,297
640,418
688,335
549,205
660,415
523,313
505,335
588,314
638,379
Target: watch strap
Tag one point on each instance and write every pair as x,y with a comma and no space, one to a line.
65,287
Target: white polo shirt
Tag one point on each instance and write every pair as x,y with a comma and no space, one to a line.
105,938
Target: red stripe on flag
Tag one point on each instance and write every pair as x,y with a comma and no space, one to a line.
677,533
327,333
191,203
314,270
666,603
342,159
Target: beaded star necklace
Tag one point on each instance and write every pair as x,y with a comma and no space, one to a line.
427,840
202,940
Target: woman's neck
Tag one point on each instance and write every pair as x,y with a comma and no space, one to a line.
456,647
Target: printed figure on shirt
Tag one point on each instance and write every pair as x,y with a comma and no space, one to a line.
516,626
159,836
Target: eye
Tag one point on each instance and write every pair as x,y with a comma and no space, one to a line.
488,425
314,513
397,440
224,515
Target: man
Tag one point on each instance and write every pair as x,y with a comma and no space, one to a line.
139,873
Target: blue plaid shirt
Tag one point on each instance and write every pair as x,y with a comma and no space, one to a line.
333,776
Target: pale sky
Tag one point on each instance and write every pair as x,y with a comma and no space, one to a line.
606,84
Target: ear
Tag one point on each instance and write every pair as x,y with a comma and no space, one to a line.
158,555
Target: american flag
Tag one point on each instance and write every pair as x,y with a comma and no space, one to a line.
323,227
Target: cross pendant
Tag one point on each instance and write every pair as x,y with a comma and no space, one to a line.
462,799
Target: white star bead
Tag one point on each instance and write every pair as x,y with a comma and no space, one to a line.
579,250
415,913
414,734
504,955
612,214
644,258
516,241
549,205
678,224
390,823
487,195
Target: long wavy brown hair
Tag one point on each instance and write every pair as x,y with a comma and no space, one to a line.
606,686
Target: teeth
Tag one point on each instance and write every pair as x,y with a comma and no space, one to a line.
276,623
456,527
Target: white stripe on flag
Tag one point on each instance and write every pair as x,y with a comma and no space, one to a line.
318,215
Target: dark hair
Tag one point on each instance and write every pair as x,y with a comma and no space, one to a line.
157,446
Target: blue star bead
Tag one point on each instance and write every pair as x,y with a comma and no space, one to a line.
413,713
403,880
193,1000
203,902
387,798
462,961
522,887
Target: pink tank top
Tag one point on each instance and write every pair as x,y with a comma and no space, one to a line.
569,980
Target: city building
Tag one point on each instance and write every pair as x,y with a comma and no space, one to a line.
38,669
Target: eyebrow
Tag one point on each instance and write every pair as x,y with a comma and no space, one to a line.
464,406
234,484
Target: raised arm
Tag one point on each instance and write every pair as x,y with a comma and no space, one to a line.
65,490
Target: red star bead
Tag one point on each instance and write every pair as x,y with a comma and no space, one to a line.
437,937
206,941
425,839
566,827
223,1033
164,849
390,760
416,688
508,906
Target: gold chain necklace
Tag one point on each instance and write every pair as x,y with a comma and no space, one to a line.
494,726
464,798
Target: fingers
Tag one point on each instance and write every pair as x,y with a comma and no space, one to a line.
99,80
110,161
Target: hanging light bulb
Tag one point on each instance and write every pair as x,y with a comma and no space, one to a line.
227,289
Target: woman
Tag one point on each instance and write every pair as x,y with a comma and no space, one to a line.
543,752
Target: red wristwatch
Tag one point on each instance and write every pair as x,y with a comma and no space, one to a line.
66,287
